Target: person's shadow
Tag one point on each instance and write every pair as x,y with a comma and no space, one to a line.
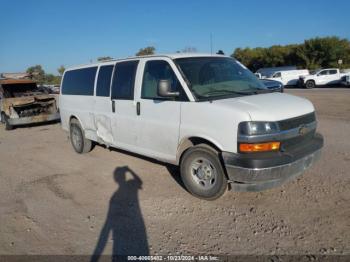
124,219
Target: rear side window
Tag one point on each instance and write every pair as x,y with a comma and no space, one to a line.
332,72
79,82
124,80
104,80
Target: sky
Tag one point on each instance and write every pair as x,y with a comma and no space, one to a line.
53,33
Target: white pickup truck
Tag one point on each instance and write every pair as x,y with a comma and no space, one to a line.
329,76
206,113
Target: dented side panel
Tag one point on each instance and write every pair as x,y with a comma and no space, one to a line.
104,128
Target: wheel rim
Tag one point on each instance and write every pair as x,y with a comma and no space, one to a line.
76,138
203,173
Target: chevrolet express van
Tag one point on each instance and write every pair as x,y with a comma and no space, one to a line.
206,113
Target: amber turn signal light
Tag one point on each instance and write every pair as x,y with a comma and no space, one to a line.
259,147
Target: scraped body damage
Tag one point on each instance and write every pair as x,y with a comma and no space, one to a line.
104,129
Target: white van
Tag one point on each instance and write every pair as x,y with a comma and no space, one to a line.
206,113
290,77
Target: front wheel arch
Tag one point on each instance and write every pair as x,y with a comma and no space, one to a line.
85,145
310,83
4,120
2,117
206,153
189,142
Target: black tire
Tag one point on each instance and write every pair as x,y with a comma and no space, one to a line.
310,84
4,119
214,184
80,144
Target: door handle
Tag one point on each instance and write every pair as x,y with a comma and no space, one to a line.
138,109
113,106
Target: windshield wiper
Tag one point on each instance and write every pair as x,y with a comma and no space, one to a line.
255,90
225,92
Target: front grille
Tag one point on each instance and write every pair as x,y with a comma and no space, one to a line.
296,121
297,141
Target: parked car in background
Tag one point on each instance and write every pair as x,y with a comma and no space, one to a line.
50,89
206,113
23,102
273,85
346,80
329,76
289,77
267,72
258,75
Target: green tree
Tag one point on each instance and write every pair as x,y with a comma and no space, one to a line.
253,58
324,52
61,70
149,50
104,58
37,73
313,53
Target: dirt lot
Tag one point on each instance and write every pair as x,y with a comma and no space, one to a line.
54,201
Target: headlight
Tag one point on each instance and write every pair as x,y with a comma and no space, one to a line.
253,128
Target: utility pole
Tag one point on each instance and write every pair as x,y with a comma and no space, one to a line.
211,43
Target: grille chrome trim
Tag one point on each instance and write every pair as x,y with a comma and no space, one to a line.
280,136
306,122
296,121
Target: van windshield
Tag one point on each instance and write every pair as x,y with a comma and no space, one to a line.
218,77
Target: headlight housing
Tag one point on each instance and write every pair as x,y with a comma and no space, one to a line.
252,128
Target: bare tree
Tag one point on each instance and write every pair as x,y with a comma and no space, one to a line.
104,58
189,49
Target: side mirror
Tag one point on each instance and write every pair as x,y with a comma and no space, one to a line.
164,89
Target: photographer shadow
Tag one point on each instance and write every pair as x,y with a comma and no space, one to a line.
124,219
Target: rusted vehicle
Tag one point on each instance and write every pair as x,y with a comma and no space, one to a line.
23,102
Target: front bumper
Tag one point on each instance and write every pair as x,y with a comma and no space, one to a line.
34,119
261,171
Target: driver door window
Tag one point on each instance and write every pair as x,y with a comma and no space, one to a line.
159,70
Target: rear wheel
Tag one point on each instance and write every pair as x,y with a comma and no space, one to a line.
79,142
202,172
5,120
310,84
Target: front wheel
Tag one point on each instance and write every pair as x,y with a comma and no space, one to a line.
310,84
79,142
5,120
202,172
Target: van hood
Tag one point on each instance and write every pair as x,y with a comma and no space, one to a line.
269,107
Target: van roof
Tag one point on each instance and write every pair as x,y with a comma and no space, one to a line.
171,56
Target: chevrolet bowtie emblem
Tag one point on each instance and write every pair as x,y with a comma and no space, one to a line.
303,130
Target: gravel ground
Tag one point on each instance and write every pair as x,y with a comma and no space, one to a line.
54,201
